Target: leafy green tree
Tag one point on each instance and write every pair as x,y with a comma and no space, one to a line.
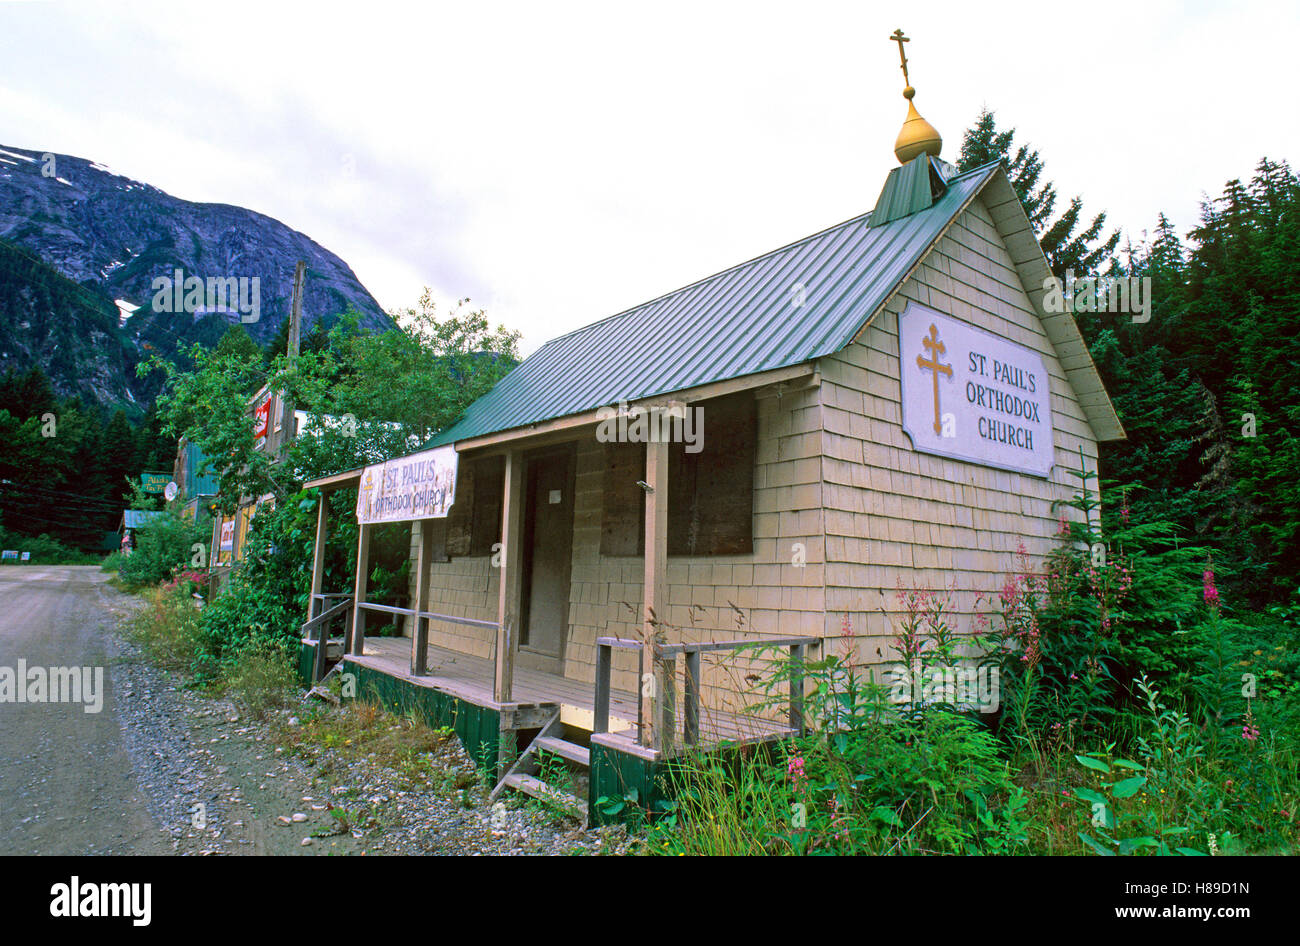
368,397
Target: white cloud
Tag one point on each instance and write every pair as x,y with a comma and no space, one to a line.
558,163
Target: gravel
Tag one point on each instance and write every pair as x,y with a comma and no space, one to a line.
215,780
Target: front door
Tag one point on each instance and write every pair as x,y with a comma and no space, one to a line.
548,557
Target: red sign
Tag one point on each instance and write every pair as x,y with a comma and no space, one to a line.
262,418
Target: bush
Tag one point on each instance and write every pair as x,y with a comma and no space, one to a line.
161,547
44,550
871,776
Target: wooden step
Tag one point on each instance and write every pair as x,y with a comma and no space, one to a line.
565,749
531,785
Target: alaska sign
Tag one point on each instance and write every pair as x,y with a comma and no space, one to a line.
970,395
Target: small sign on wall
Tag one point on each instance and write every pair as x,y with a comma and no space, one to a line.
971,395
227,542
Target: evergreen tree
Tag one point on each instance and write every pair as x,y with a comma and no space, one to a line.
237,342
1067,247
119,455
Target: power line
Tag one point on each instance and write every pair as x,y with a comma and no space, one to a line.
57,494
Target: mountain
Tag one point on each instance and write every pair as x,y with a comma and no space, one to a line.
82,249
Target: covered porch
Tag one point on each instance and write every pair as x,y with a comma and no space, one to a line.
637,672
573,647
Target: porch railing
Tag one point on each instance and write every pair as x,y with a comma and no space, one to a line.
318,627
420,633
323,616
664,729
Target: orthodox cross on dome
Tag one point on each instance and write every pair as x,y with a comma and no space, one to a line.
936,348
898,37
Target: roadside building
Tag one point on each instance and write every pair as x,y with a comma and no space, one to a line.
765,456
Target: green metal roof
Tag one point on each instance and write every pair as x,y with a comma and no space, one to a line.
789,306
910,189
139,518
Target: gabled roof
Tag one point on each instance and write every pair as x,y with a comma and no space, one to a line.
789,306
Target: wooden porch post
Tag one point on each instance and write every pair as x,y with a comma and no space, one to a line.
359,594
420,632
656,596
314,607
512,519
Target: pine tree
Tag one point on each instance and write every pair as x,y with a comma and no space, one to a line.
1083,251
119,455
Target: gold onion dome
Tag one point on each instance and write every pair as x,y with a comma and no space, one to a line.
917,136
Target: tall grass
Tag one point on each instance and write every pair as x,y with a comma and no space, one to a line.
167,628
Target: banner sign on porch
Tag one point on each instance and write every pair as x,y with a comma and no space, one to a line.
154,482
971,395
421,486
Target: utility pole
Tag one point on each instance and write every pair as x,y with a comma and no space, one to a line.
295,314
288,423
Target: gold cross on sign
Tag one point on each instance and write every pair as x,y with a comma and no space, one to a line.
937,348
900,39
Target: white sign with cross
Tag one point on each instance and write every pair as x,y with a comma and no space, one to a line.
971,395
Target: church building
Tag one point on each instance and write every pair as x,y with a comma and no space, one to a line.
763,457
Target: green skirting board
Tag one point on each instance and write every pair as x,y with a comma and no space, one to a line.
477,726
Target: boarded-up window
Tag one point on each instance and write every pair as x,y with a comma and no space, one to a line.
622,521
711,506
474,520
710,493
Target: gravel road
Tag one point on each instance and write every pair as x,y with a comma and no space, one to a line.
67,784
162,769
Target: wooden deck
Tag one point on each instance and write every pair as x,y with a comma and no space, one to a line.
470,678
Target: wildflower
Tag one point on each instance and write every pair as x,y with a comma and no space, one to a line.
1249,731
1210,591
1123,509
794,769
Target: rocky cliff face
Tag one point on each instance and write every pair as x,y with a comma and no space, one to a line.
192,269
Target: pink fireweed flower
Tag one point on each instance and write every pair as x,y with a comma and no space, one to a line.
1210,591
794,769
848,642
1249,731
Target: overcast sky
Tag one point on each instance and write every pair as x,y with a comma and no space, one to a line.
559,162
